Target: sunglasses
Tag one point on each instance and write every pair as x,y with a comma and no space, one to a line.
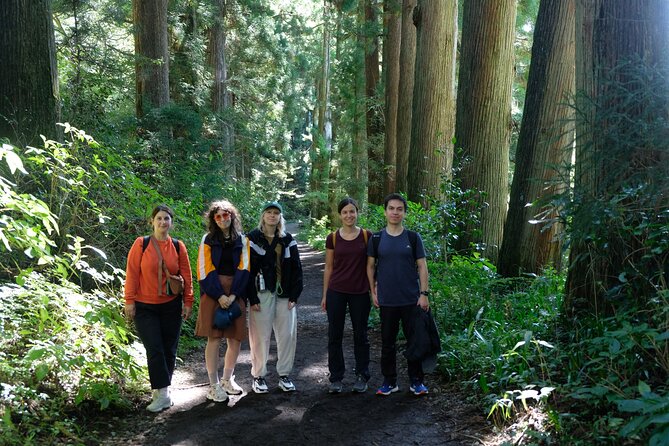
224,215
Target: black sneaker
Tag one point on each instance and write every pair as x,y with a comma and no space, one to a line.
360,384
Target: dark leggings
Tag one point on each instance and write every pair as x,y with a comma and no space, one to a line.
159,326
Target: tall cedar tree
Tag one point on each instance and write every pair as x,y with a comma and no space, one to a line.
405,93
483,128
151,55
544,145
374,118
391,69
617,104
433,117
29,88
221,97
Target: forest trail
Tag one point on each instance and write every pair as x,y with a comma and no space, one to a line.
309,416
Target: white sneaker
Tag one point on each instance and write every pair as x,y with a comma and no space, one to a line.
286,384
231,387
217,394
160,401
260,385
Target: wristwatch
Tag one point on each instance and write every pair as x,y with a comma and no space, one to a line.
425,293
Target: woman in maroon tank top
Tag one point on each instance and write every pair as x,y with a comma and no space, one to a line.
345,285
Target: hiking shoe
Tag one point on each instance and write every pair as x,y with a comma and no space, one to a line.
360,384
217,393
231,387
335,387
418,388
387,388
260,385
286,384
160,401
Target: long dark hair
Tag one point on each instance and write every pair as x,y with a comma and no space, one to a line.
345,202
235,218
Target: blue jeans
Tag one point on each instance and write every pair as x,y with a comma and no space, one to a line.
390,327
358,306
159,326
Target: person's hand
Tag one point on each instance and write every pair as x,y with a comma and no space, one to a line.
423,303
323,304
186,312
255,307
223,301
129,311
291,305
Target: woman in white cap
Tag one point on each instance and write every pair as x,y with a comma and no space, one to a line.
276,267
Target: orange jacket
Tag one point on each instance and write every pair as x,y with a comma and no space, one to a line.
141,281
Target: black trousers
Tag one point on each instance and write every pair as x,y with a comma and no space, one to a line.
390,327
159,327
358,308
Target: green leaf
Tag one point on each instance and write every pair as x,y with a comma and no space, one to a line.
41,371
644,389
631,405
34,354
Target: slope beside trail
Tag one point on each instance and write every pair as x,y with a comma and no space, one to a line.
309,416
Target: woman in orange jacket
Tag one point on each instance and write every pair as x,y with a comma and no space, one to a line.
153,303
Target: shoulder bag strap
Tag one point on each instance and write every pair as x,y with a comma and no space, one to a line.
161,264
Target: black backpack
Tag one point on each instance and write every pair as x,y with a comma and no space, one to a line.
413,240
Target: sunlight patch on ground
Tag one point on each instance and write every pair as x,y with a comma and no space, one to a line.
527,426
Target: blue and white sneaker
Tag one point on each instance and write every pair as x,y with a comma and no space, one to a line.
418,388
387,388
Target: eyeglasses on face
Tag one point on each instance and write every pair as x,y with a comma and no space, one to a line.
223,215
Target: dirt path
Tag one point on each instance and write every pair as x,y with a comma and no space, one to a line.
310,415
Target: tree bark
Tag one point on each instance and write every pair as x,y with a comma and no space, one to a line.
391,60
29,105
483,127
374,118
621,65
544,147
405,94
151,55
433,117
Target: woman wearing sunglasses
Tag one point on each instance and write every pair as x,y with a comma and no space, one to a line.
223,270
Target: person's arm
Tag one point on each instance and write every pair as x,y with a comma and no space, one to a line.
327,272
371,266
132,277
423,300
207,275
329,264
242,260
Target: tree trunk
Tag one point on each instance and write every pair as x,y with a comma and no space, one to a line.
391,60
621,70
544,147
151,55
374,119
221,100
320,167
359,154
433,121
29,87
483,118
405,94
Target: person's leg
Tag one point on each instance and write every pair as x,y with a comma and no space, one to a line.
390,326
211,352
171,329
231,355
285,333
336,311
415,368
359,307
147,321
260,332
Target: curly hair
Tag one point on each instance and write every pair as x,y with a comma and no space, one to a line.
235,217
